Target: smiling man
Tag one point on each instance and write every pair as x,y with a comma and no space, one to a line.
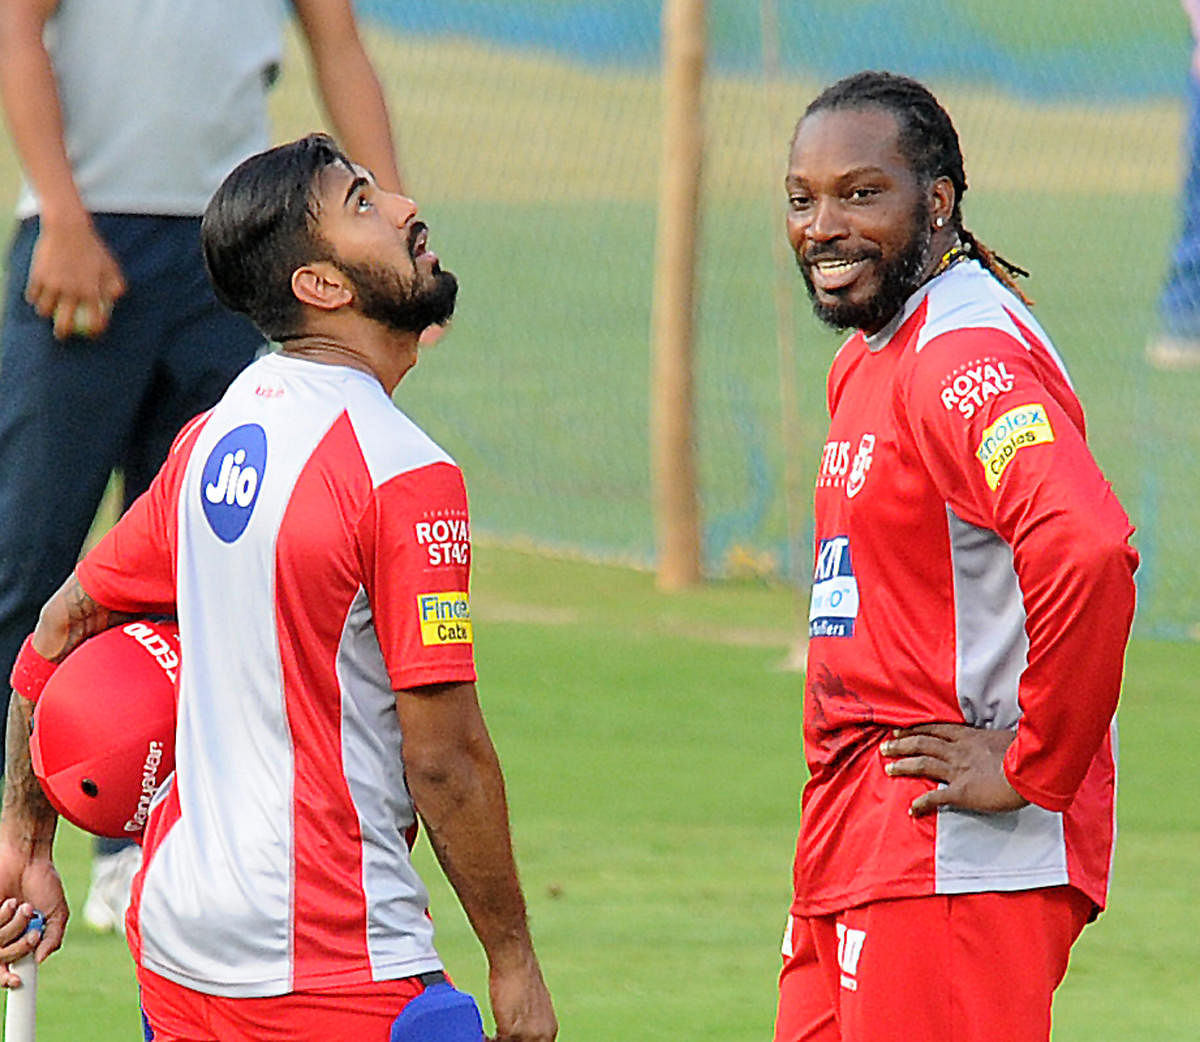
327,680
971,603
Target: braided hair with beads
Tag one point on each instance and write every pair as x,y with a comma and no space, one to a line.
927,140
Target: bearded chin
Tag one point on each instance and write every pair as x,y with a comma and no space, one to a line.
384,298
898,280
427,306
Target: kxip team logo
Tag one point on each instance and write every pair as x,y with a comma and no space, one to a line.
860,465
231,480
834,605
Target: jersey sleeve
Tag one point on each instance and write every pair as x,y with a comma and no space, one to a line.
132,568
415,548
1002,436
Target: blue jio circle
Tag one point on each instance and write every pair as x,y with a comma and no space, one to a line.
231,480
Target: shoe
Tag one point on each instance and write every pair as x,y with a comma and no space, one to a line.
108,895
1174,353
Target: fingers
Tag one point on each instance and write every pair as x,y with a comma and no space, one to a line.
16,940
51,940
112,286
917,756
74,281
66,313
930,802
11,925
914,745
41,297
919,767
88,319
920,753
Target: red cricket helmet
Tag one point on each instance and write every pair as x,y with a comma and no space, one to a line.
104,727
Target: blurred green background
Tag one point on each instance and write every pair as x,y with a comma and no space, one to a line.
530,134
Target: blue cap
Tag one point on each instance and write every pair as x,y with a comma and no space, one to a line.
441,1013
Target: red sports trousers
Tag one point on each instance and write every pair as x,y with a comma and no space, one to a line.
961,968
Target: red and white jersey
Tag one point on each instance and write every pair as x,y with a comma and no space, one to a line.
315,546
972,565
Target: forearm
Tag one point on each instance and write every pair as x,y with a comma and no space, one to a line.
354,100
1078,630
463,807
29,819
69,618
350,88
65,621
34,112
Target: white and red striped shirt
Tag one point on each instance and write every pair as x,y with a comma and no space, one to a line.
315,546
972,566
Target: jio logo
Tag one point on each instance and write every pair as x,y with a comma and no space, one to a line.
231,480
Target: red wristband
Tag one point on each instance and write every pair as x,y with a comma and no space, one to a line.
31,671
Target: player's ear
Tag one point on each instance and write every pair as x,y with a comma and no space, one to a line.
941,199
322,285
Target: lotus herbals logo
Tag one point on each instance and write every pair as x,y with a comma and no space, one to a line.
231,480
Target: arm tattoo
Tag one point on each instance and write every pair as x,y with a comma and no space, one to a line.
83,617
23,795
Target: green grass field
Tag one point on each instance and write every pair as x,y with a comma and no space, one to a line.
651,745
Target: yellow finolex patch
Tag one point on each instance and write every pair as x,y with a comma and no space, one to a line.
445,618
1017,428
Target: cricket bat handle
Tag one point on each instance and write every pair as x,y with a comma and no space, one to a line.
20,1010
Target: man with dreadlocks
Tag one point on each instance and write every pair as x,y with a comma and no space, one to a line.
971,603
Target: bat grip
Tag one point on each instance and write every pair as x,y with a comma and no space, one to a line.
20,1010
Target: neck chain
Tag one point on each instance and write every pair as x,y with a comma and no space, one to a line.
950,258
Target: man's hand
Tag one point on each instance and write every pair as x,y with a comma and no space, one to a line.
969,760
521,1005
73,279
38,881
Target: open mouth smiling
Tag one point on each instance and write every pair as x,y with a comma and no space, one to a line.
834,273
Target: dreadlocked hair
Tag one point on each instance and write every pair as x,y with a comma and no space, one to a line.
928,141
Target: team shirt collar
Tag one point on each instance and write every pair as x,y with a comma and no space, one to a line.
880,340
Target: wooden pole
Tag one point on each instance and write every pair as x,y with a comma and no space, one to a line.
672,423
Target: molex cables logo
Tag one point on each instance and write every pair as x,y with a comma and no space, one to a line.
232,478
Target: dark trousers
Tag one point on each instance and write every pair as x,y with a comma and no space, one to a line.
72,411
